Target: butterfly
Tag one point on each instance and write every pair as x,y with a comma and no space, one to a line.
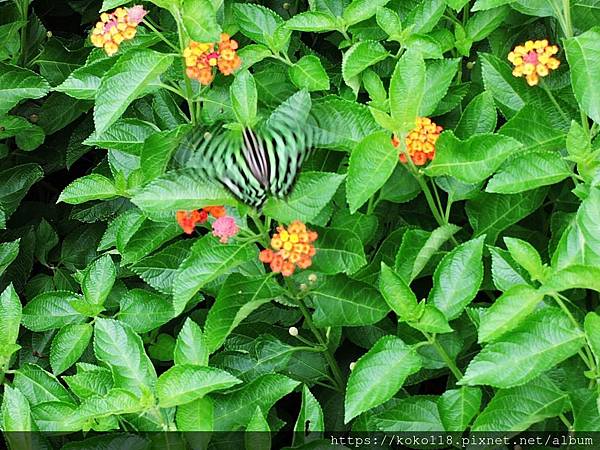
256,162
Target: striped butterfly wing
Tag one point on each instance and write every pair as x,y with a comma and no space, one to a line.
252,164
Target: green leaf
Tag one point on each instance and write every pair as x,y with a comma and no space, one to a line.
425,16
158,149
127,80
509,310
341,301
365,226
411,414
479,117
573,277
545,339
40,386
509,92
238,297
457,407
345,123
114,402
360,56
98,280
252,54
314,21
526,256
437,81
578,142
506,273
537,400
527,171
127,135
191,347
86,188
68,345
378,375
473,160
118,346
398,295
10,311
431,321
371,164
8,253
457,278
532,127
310,423
244,97
490,214
196,416
207,261
200,20
183,384
257,23
338,250
591,326
84,81
145,311
360,10
312,192
180,190
50,310
257,436
16,84
16,416
308,73
583,55
236,409
407,90
14,184
389,21
482,23
418,248
147,238
159,269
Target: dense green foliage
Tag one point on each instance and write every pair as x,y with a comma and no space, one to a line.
458,295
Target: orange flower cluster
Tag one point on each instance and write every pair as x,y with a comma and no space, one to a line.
188,220
116,27
290,248
420,142
534,59
200,58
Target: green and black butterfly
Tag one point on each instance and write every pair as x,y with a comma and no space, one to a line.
258,162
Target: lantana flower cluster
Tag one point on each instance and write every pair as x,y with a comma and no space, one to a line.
534,59
223,227
116,27
420,142
291,247
200,58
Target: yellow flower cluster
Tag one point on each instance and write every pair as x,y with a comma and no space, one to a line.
200,58
420,142
116,27
291,247
534,59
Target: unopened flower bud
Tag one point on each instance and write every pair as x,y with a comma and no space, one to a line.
49,34
303,287
470,65
352,365
286,5
312,278
293,331
33,118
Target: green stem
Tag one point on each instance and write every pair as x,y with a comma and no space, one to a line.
172,89
564,420
371,204
568,24
442,352
345,34
554,102
189,93
24,13
333,365
575,323
160,35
